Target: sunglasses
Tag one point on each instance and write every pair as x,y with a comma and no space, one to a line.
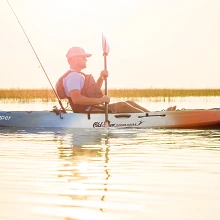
83,57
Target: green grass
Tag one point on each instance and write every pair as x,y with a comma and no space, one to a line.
48,94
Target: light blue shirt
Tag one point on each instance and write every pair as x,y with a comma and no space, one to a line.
73,81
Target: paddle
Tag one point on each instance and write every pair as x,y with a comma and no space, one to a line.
105,48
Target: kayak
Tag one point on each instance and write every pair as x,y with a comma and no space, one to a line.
185,118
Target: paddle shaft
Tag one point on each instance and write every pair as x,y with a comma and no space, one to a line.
106,87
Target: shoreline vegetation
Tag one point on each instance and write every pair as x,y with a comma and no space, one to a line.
48,94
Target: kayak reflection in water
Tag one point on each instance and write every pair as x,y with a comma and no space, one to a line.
84,93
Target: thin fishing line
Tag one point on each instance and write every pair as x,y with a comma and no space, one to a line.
36,56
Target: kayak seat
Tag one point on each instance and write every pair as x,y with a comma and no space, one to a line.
99,109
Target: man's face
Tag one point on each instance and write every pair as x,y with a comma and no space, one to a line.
82,62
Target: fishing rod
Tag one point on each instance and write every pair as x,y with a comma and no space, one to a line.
60,103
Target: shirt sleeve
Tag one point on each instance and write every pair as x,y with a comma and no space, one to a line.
74,81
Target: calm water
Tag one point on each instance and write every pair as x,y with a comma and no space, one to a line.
150,174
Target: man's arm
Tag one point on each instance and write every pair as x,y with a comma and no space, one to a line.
100,82
79,99
101,78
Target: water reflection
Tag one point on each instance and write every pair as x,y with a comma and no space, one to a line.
83,160
120,174
80,153
86,168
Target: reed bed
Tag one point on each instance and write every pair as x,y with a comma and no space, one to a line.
166,93
48,94
45,95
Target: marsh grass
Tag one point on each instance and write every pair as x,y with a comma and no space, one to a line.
163,93
24,95
47,95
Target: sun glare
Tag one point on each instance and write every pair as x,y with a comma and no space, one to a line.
83,166
171,40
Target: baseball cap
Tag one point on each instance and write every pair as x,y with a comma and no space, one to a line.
77,51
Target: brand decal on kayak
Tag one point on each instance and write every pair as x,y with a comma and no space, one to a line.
5,118
101,124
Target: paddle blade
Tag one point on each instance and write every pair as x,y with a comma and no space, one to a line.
105,46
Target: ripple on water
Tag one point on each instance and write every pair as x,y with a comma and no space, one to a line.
122,174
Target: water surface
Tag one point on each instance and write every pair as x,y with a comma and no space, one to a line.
111,174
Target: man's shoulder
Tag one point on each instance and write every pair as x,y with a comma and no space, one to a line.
74,74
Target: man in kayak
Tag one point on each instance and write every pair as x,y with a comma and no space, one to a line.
84,93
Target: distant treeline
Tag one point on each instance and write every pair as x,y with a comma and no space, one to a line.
48,94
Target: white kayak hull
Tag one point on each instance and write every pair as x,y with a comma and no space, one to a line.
194,118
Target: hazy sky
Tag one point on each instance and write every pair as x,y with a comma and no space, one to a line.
153,43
